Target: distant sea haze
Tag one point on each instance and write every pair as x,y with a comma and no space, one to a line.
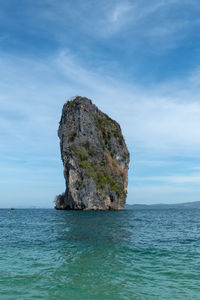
130,254
194,204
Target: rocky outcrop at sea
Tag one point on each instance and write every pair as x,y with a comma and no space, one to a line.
94,156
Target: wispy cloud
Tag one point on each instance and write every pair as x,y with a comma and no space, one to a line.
159,24
161,121
148,193
116,18
120,12
180,179
171,114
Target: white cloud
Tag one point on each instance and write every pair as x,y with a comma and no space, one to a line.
116,18
161,25
158,122
151,119
164,118
156,194
120,12
179,179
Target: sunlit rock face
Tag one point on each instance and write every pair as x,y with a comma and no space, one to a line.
95,158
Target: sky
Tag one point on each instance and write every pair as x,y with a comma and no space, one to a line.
139,62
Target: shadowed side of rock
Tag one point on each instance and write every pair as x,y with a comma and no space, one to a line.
95,158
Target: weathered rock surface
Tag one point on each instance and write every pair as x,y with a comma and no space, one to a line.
95,158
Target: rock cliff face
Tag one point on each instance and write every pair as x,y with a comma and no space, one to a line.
95,158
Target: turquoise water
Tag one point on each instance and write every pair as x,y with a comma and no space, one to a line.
77,255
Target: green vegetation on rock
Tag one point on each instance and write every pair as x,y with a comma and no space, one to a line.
73,135
99,172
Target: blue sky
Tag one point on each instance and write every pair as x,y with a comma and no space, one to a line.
139,61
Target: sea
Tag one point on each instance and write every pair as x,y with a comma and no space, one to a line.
100,255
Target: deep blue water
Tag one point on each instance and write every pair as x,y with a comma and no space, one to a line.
78,255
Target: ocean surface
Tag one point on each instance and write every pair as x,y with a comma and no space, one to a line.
79,255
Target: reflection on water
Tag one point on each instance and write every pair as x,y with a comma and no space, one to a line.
147,254
94,228
92,242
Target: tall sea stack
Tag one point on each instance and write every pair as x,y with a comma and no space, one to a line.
95,158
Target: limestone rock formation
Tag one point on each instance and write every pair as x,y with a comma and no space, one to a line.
95,158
